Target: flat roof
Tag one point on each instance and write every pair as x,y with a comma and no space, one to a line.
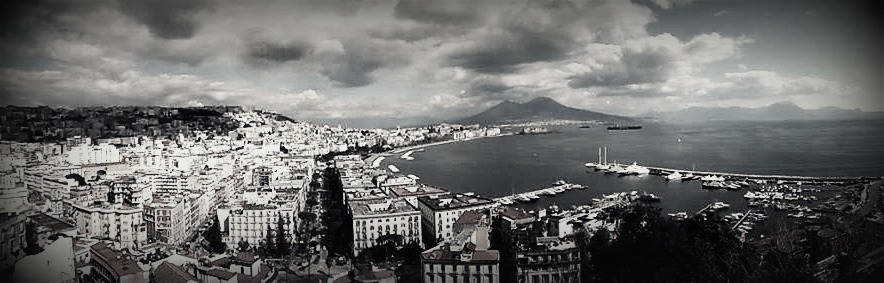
454,201
375,207
52,223
419,190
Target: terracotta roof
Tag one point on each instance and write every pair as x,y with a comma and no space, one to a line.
121,264
168,272
220,273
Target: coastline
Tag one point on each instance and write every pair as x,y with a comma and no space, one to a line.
371,158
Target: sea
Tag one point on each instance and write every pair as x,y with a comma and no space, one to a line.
501,166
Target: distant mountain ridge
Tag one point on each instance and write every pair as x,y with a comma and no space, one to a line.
773,112
538,109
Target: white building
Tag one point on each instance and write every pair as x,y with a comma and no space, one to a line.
88,154
117,222
373,219
440,212
252,222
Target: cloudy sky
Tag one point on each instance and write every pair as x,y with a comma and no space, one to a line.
410,59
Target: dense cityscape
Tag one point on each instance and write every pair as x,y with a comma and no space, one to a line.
441,141
252,196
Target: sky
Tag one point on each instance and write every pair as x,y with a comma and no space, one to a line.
407,60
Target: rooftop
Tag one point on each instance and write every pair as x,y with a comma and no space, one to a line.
419,190
51,223
442,253
168,272
515,214
120,263
454,201
380,207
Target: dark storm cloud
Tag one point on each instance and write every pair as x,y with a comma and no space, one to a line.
456,12
651,65
167,19
486,87
261,48
502,53
355,62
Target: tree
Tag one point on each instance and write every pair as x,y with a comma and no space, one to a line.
213,236
32,247
267,246
283,245
243,245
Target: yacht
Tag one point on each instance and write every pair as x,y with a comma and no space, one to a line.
614,168
712,178
559,183
603,163
523,198
634,169
674,176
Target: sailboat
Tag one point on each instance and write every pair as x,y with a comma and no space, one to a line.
593,165
603,166
689,176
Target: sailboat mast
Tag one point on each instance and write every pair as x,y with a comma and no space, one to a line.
606,155
600,155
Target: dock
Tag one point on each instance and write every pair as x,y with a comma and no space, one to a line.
538,192
702,210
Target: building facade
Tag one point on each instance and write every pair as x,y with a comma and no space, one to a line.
373,219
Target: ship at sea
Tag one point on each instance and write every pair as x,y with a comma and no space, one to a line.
624,127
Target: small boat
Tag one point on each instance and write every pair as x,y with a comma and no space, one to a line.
558,190
559,182
719,205
506,201
523,198
679,215
533,197
393,168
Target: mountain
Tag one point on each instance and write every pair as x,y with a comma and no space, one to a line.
774,112
538,109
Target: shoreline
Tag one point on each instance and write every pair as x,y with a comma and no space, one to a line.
371,159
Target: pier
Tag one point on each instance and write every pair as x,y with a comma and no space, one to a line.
742,219
740,176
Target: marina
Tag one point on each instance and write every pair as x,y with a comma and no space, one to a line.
558,187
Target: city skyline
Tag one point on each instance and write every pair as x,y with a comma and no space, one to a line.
441,60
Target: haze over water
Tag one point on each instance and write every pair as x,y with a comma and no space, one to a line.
503,165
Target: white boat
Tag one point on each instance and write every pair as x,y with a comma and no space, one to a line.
634,169
614,168
687,176
558,190
524,198
559,182
674,176
393,168
506,201
413,177
712,178
679,215
533,197
719,205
